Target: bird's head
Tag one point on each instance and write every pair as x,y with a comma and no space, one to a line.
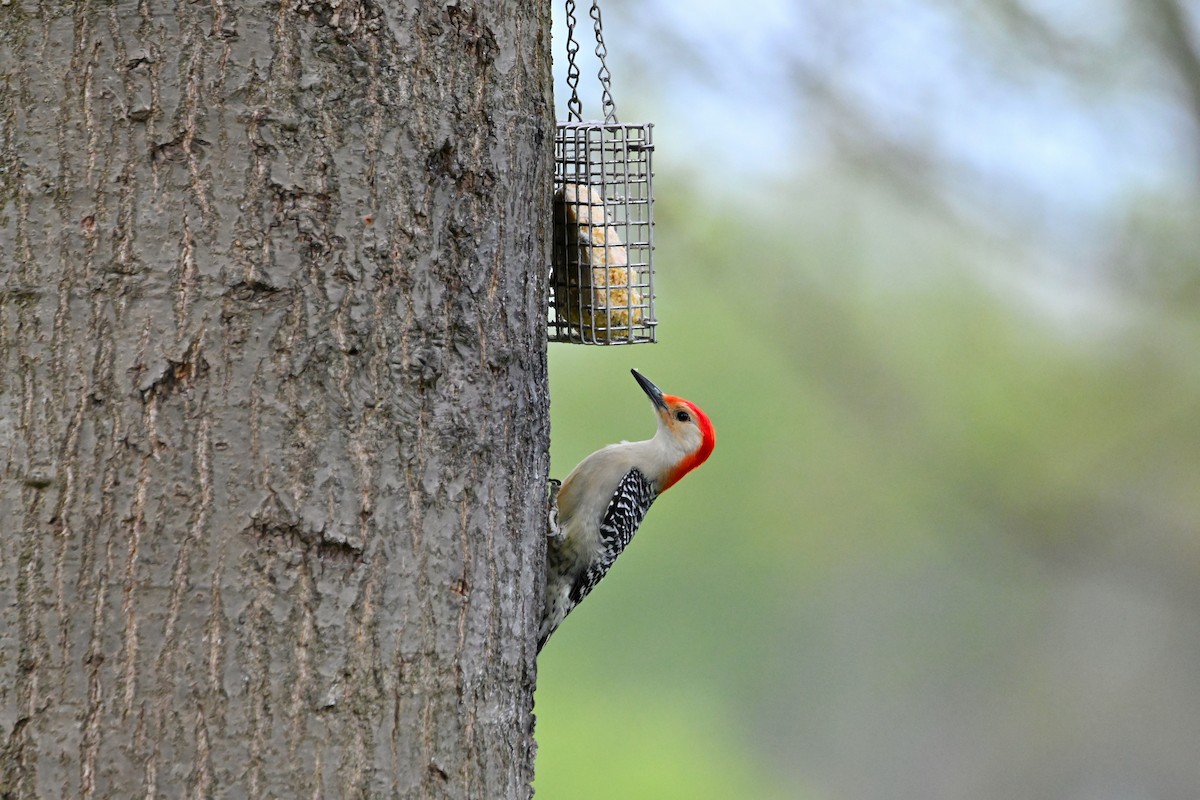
685,430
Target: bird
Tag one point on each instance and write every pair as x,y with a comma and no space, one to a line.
602,502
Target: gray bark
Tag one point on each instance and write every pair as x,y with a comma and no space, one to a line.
273,409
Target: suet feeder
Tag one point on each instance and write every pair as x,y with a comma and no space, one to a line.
602,273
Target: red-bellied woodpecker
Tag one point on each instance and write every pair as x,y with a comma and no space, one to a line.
605,498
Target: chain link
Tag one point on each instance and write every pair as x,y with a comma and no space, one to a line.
574,106
610,107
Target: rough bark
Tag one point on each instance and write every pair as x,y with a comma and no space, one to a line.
273,410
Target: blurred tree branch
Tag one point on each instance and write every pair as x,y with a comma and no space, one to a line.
1171,28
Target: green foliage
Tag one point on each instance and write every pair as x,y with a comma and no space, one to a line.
920,463
640,744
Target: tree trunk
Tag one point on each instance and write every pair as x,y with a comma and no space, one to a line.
273,408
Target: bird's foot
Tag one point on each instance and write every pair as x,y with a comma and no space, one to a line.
553,531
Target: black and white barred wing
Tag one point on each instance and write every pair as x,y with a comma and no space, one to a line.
625,513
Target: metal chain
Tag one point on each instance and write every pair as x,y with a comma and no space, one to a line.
610,108
574,107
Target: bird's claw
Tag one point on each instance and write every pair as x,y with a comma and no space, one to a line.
554,532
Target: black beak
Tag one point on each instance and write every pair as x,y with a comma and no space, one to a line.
652,391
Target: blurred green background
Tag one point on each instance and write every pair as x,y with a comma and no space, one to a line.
933,270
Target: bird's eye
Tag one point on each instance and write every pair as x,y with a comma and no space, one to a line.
682,416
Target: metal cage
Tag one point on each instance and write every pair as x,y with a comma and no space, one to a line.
601,274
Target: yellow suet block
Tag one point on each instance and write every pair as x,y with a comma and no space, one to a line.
593,284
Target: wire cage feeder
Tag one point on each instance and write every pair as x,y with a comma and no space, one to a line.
602,272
